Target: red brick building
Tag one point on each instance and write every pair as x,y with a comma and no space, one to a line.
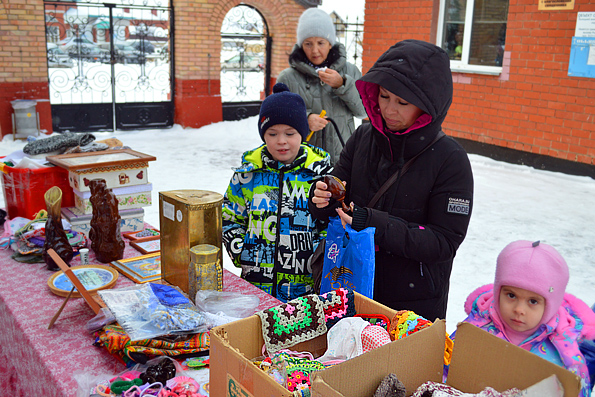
518,104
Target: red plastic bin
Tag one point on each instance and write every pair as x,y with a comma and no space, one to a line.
24,189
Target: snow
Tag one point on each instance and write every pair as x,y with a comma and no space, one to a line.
511,201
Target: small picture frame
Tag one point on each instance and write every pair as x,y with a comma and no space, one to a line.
140,234
147,245
140,269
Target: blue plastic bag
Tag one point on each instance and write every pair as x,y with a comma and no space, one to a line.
349,259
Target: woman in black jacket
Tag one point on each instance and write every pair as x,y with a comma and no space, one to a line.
423,217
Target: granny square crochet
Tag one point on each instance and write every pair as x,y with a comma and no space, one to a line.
293,322
337,304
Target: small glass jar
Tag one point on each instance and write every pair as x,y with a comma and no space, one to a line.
205,270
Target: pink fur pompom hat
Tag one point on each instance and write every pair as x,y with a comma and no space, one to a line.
535,267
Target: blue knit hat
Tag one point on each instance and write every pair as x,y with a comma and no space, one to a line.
283,107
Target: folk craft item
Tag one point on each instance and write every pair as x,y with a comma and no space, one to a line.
337,304
337,190
92,277
55,236
293,322
147,245
75,281
205,270
106,239
140,269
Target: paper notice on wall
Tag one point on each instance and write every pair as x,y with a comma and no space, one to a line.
582,57
585,24
548,5
591,56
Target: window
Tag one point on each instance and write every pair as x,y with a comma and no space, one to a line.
473,32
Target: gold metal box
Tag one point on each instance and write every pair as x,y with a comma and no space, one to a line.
186,218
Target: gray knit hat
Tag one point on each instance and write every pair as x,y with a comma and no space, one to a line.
315,23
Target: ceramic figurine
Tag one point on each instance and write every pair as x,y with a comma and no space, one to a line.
55,236
106,239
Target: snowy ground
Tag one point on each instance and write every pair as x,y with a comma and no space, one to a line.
511,201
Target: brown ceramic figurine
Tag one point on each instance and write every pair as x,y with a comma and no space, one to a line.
106,239
337,190
55,236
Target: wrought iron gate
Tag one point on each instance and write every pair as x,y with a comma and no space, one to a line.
245,62
109,64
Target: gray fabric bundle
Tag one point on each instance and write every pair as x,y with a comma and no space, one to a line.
58,143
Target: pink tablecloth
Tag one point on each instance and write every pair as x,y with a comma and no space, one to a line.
35,361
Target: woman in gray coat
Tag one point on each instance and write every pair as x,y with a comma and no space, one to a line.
321,75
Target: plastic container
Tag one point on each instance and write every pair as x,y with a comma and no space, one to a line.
25,118
24,189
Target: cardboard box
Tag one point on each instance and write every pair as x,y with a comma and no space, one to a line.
479,360
186,218
233,345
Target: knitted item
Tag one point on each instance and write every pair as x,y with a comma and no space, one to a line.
314,22
430,388
116,342
338,304
535,267
390,386
57,142
283,107
405,323
298,370
296,321
374,336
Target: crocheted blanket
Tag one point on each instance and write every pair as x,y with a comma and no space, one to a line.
293,322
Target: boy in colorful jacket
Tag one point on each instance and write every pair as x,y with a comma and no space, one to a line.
527,305
267,228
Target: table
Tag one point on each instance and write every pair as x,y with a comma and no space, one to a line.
35,361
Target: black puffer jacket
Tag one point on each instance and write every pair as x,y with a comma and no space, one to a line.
423,217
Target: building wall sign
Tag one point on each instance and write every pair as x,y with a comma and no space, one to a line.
582,50
548,5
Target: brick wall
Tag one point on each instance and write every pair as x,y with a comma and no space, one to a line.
533,106
198,45
23,64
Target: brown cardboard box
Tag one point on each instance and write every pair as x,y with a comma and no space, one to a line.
186,218
234,344
479,360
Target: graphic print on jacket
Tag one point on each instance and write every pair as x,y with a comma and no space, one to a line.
267,228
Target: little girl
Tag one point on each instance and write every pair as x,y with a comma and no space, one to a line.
527,305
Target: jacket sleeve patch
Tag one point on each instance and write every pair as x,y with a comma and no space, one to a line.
458,206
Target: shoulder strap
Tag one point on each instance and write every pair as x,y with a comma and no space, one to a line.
401,171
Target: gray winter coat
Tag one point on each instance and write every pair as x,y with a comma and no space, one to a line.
341,104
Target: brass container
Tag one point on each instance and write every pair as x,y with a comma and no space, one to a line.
205,271
186,218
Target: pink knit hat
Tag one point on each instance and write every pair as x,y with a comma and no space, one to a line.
535,267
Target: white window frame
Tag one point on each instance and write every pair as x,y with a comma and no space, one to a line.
462,65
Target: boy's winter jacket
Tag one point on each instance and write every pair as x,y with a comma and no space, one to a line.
267,228
556,341
423,217
341,104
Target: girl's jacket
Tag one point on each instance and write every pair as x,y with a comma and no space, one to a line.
267,228
556,341
341,104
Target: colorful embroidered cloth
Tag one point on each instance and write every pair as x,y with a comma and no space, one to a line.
293,322
117,342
